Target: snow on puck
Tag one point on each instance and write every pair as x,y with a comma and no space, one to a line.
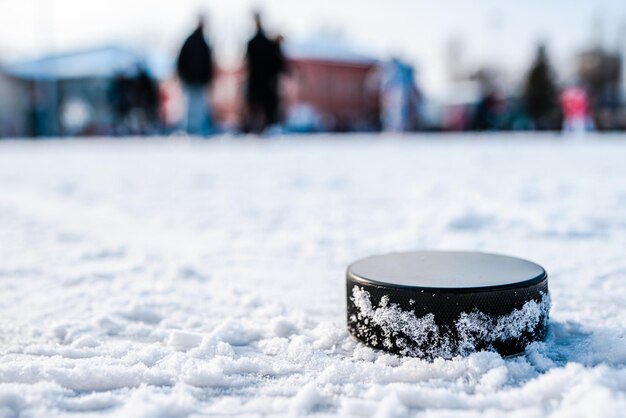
447,303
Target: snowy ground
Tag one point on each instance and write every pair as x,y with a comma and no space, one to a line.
177,278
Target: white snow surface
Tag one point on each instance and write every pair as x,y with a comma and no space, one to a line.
184,278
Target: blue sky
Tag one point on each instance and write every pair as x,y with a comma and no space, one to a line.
501,32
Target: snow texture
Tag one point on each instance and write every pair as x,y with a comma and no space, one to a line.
181,278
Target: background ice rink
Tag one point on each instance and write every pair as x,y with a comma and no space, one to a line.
183,278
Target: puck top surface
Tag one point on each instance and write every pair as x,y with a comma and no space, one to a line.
446,270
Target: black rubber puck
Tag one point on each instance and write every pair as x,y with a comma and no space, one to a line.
447,303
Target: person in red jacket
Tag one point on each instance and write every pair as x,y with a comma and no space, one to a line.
575,106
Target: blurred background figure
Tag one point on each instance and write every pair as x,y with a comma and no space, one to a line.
146,102
541,94
576,110
134,100
265,62
400,97
489,114
195,70
120,100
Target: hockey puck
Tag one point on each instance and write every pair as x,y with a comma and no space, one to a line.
446,303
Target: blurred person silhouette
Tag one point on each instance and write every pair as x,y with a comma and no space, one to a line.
119,96
146,101
489,112
575,104
275,108
41,114
195,70
134,99
541,94
400,98
264,63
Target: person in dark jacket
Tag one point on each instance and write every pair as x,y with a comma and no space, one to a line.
265,62
195,70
